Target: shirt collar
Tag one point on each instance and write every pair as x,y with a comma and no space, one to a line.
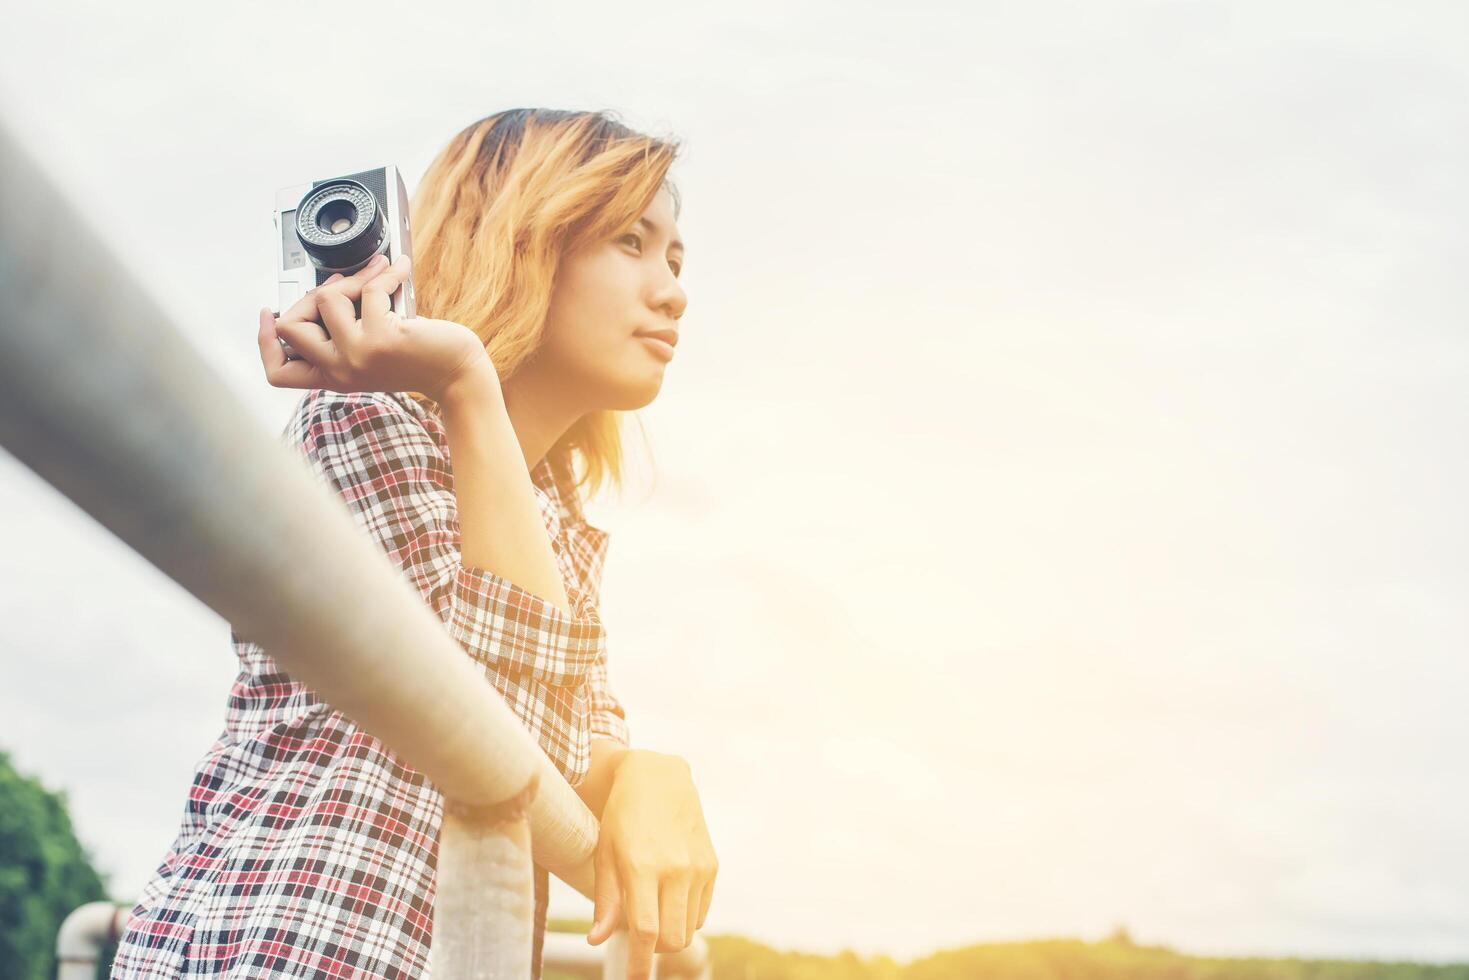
560,490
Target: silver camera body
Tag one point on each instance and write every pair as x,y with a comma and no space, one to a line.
338,225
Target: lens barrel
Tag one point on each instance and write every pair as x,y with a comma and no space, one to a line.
341,226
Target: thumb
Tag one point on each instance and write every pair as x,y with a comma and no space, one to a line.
607,902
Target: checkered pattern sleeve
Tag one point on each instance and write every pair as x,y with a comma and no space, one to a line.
394,475
609,720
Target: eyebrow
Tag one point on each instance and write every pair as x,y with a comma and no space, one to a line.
676,243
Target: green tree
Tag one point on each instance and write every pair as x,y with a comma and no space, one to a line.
44,874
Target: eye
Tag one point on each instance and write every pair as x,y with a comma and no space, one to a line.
677,267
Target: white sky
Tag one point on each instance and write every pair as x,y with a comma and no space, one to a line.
1059,514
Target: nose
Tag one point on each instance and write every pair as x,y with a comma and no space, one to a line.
669,296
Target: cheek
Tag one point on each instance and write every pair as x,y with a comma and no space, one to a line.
588,307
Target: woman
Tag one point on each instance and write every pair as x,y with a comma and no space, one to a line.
546,258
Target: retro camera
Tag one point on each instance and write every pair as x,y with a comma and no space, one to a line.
338,225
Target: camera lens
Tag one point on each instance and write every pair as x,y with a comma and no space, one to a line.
336,217
340,226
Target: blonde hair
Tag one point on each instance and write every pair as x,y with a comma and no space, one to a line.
491,219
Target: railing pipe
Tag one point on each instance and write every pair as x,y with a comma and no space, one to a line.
82,937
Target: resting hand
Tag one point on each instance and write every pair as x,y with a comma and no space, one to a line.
655,865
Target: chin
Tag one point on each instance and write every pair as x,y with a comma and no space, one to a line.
631,395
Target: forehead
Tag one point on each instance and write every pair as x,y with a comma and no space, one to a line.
659,214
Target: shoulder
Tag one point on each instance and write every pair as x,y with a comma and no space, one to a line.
321,404
366,429
321,412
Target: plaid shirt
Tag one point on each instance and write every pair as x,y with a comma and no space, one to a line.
307,848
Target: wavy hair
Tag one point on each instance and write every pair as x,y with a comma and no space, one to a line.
494,213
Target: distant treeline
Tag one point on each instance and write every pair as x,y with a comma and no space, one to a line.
1117,958
44,874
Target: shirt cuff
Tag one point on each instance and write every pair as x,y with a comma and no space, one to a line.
504,626
607,724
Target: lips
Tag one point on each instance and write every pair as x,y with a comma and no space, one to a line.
669,337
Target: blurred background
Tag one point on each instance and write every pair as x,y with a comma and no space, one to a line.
1053,519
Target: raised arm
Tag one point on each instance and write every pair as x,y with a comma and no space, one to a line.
500,524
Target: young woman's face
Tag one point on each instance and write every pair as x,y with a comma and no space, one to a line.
607,299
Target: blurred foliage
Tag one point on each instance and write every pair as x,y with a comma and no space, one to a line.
44,874
579,926
1115,958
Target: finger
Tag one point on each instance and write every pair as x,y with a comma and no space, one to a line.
377,295
297,374
673,913
279,371
374,265
351,286
691,922
272,355
606,902
308,307
305,307
309,341
339,317
640,899
704,900
339,301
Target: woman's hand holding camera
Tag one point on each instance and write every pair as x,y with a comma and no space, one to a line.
380,351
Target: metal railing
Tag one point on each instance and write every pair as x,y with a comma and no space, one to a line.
103,398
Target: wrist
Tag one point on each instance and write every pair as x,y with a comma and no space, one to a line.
651,757
615,759
471,385
607,756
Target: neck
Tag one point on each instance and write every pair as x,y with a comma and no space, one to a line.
538,414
